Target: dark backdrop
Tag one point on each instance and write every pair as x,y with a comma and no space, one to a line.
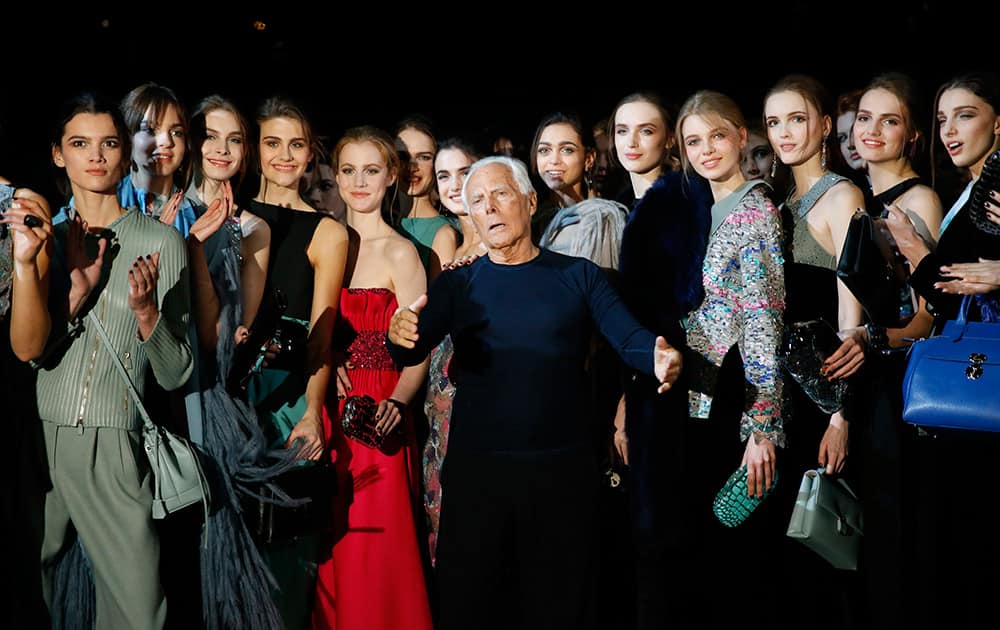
472,67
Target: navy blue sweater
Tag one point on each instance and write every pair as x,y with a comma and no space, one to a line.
521,335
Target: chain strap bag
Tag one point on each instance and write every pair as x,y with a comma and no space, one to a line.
952,381
178,477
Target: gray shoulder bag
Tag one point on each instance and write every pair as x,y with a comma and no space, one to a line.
178,478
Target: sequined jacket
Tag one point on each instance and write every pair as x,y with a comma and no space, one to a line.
743,276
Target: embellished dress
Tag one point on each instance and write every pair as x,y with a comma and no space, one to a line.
437,408
373,579
744,282
811,281
735,388
22,495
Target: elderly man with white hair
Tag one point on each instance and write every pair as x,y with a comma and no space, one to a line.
518,539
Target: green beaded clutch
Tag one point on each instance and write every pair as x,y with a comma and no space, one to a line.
732,506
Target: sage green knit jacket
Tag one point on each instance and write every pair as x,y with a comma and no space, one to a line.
77,382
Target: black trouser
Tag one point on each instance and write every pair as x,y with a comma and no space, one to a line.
884,448
957,549
733,569
656,429
518,540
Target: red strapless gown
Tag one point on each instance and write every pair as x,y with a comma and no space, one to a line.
374,577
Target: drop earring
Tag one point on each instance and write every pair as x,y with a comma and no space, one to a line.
822,155
774,165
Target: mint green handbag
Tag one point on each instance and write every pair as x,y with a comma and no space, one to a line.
827,518
178,477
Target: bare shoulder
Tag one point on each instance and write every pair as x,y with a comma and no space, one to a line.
920,199
446,233
253,227
400,250
842,200
330,231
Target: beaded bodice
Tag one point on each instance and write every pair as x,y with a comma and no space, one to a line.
364,320
805,249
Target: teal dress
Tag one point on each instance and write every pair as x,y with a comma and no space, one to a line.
421,231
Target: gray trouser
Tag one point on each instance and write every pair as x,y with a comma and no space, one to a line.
101,492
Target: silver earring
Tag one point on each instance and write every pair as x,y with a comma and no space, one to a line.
774,165
822,155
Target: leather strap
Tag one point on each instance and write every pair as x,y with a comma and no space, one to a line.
146,421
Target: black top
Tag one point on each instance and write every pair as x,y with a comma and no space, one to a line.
961,242
521,335
288,266
876,203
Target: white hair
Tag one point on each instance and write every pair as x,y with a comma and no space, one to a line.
517,169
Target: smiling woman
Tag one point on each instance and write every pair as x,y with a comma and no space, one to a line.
101,487
160,168
307,260
733,335
372,578
434,234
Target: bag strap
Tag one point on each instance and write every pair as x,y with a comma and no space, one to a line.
116,360
148,424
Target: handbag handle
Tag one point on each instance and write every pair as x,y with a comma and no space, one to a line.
116,360
963,317
963,311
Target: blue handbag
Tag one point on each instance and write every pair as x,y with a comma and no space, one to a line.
952,381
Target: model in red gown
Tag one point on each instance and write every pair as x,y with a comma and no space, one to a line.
373,579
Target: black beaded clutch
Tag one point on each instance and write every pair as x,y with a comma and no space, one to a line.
988,181
358,420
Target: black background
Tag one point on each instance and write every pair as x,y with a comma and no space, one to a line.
470,68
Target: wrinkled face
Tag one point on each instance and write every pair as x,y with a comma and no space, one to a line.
880,132
968,127
500,211
757,156
641,137
363,176
794,127
420,177
560,157
91,152
845,140
158,146
713,147
284,151
222,150
322,193
451,166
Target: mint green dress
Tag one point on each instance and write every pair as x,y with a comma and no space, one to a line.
421,231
